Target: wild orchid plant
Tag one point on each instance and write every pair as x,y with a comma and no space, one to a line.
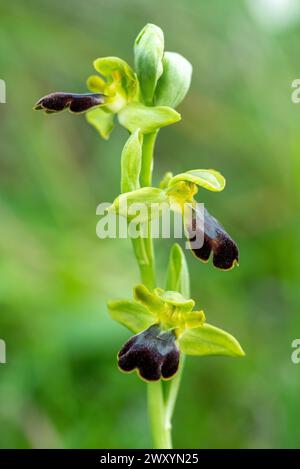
164,321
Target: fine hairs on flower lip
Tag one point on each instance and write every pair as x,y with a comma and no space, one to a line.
77,103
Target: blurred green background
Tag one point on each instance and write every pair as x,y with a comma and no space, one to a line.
61,386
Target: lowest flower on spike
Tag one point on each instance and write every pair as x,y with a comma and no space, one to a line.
166,324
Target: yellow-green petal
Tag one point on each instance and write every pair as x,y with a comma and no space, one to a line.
96,84
149,300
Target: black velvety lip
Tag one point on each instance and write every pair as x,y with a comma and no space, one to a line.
152,352
215,240
76,103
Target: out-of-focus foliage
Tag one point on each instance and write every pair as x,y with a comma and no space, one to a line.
61,386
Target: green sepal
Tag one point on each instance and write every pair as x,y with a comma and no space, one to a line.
209,340
131,314
149,200
131,162
178,278
207,178
175,81
148,54
147,119
102,121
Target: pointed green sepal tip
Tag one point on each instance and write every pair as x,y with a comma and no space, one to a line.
209,340
130,314
102,121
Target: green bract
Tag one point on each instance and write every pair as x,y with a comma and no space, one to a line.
178,275
131,160
148,55
175,81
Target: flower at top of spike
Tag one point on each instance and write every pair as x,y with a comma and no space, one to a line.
144,98
76,103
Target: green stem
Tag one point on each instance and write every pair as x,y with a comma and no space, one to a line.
146,264
172,394
161,434
160,409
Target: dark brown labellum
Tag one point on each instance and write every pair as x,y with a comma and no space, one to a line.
153,352
77,103
216,240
